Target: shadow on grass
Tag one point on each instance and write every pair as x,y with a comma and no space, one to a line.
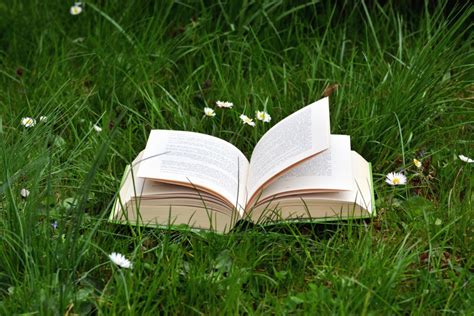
320,231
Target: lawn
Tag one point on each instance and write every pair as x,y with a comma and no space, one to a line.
400,79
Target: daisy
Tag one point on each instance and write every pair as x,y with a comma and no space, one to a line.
209,112
120,260
224,104
78,40
466,159
247,120
28,122
76,9
24,193
97,128
417,163
43,119
263,116
396,178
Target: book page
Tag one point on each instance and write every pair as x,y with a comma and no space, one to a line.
362,189
166,216
299,136
196,160
146,202
356,202
328,171
154,190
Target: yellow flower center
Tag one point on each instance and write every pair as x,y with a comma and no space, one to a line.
396,181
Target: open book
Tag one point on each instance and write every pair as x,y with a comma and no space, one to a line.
297,171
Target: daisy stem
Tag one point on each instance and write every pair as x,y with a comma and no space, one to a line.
125,287
390,202
220,123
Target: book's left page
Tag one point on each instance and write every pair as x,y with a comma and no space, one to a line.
196,161
146,202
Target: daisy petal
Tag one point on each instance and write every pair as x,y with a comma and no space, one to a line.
24,193
224,104
209,112
247,120
466,159
120,260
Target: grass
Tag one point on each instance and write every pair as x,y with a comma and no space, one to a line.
405,91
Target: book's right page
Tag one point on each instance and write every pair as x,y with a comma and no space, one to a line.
355,203
329,171
299,136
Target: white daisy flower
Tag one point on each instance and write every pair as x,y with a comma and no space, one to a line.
78,40
43,119
76,9
209,112
417,163
396,178
28,122
466,159
24,193
247,120
263,116
97,128
120,260
224,104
